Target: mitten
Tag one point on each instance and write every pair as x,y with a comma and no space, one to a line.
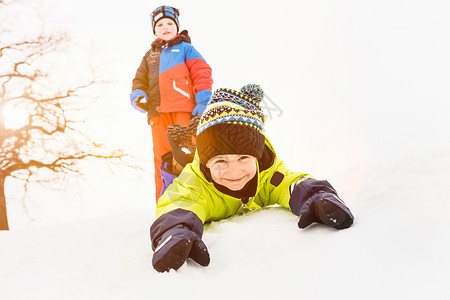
317,201
176,246
326,212
137,102
202,99
176,236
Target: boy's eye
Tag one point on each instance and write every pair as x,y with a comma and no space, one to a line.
169,23
243,158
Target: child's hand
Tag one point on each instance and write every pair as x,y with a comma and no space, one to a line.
176,246
199,109
137,101
326,212
176,236
202,99
317,201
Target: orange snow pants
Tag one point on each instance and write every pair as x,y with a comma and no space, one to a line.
161,146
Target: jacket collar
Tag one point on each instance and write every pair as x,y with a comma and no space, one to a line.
181,37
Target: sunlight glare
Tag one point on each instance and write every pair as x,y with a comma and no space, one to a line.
15,117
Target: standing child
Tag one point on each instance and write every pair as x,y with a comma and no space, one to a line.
172,83
235,170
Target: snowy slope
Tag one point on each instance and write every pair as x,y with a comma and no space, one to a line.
363,92
397,249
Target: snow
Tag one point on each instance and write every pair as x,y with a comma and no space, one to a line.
364,105
397,248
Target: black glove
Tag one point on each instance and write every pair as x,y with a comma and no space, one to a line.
326,212
317,201
176,236
174,248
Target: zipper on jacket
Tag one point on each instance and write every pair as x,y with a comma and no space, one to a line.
244,209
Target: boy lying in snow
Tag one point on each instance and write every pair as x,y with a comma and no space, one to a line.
235,170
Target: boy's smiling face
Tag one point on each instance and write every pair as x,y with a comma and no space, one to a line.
232,170
166,29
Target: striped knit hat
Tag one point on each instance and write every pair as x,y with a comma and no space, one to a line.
232,124
165,12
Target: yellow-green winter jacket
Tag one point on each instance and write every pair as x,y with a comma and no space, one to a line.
194,199
192,191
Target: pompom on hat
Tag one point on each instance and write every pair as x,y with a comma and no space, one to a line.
165,12
232,123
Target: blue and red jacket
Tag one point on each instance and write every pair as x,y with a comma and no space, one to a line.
174,75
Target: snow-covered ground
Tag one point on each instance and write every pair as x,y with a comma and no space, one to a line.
363,91
397,249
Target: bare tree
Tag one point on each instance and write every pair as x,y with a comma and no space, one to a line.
45,141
